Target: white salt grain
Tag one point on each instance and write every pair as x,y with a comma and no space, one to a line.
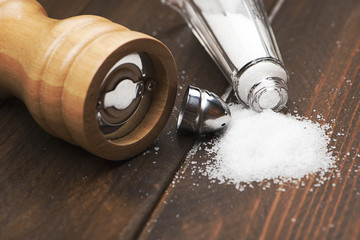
268,145
229,29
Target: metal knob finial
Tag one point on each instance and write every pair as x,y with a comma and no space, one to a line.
202,111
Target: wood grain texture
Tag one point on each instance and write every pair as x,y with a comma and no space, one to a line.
52,190
320,45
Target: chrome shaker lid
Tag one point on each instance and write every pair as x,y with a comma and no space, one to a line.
202,111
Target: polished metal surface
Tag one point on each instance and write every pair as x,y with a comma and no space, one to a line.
203,112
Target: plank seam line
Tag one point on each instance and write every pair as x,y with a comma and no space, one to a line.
225,97
164,191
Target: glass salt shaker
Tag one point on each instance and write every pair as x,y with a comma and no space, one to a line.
238,36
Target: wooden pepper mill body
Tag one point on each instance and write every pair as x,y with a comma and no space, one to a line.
57,67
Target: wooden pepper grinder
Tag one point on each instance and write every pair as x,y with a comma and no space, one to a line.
85,79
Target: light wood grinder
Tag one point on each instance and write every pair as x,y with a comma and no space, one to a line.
85,79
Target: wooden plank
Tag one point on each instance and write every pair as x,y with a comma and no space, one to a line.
320,45
64,9
53,190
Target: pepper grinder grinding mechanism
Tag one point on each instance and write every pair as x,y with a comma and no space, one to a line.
85,79
238,36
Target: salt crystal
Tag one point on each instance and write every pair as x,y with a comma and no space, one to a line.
269,145
229,36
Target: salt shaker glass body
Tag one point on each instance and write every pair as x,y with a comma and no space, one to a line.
238,36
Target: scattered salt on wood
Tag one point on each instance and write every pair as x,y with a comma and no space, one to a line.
268,146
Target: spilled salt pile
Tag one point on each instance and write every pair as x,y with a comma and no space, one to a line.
268,146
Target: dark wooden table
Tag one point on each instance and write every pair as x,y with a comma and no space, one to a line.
52,190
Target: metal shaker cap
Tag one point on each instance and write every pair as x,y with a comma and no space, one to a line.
202,111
